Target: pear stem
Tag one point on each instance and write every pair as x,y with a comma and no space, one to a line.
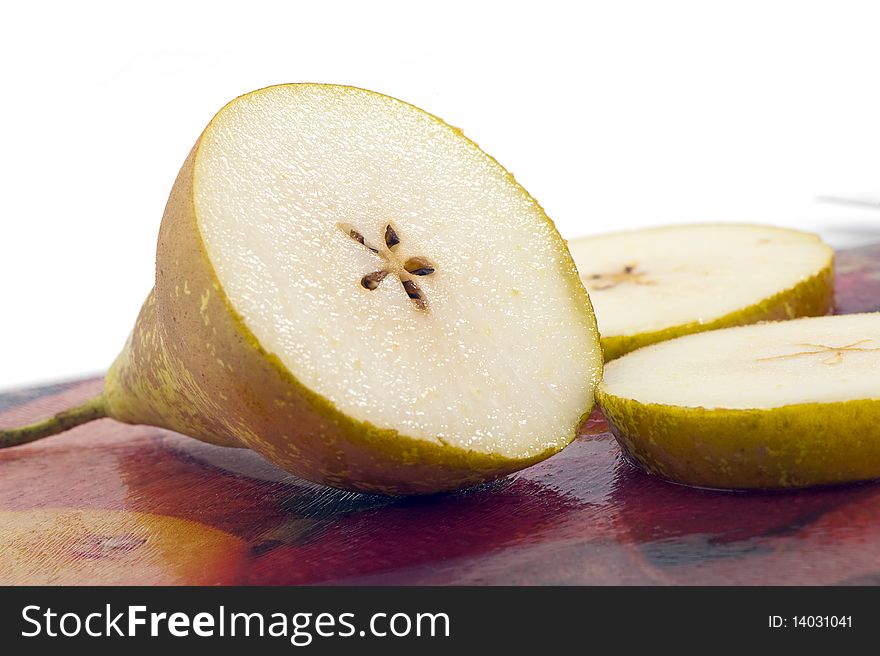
92,409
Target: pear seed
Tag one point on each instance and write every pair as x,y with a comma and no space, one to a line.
391,238
419,266
371,280
359,238
415,294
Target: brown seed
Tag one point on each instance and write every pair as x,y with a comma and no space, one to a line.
415,294
419,266
359,238
371,280
391,238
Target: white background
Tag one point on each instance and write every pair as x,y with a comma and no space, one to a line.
613,114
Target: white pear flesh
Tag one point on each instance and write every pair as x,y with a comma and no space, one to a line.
658,283
783,404
501,356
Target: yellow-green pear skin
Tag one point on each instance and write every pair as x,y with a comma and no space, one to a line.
785,447
192,365
812,297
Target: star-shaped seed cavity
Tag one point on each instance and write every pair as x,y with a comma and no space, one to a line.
834,353
629,274
394,263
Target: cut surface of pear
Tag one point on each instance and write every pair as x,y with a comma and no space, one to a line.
782,404
654,284
84,546
353,289
343,184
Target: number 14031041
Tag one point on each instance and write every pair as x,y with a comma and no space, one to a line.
810,622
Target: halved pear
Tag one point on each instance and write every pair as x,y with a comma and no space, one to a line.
658,283
784,404
353,289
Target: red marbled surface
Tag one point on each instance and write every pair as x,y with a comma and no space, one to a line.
583,517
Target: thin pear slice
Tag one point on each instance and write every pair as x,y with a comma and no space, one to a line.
774,405
658,283
84,546
353,289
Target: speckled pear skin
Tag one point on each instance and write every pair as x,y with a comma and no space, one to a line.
811,297
191,365
785,447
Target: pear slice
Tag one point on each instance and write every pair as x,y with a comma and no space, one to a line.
658,283
784,404
353,289
80,546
